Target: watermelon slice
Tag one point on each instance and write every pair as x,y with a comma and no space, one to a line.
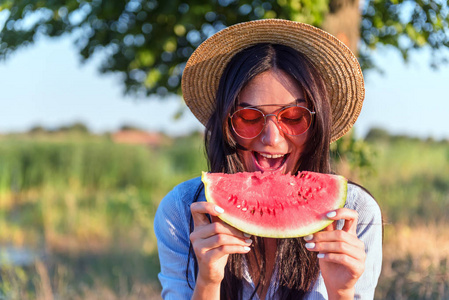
276,205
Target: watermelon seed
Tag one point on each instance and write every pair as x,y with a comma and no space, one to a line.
238,206
233,199
244,209
261,212
253,210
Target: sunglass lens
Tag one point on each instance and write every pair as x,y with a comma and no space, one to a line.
248,122
295,120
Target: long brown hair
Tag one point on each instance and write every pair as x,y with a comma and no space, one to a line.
297,267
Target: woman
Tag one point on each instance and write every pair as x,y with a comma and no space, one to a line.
269,70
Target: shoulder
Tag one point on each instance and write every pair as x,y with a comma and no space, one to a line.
176,204
182,194
172,229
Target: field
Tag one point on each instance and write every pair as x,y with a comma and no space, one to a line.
76,212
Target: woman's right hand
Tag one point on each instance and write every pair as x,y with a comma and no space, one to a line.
213,242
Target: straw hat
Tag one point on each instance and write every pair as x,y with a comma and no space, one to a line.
338,66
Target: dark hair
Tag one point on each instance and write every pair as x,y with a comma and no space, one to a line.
297,267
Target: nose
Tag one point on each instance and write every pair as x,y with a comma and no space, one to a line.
272,133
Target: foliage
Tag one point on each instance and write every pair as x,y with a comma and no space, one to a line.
149,41
377,135
411,180
78,127
89,162
405,25
352,157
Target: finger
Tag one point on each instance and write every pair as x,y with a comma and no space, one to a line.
219,252
220,244
335,236
354,251
219,240
199,211
349,215
355,266
218,227
331,227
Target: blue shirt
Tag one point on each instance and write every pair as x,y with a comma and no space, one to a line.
171,225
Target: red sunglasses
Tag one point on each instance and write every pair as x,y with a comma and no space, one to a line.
249,122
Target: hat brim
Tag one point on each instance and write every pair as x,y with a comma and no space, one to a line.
337,65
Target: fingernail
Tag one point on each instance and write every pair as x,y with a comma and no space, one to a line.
219,209
246,234
310,245
320,255
246,248
308,237
248,241
331,214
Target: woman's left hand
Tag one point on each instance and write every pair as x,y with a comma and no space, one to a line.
341,254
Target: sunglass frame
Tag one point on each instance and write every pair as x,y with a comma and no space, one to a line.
256,107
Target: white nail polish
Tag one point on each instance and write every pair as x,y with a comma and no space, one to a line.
331,214
246,248
246,234
308,237
310,245
219,209
320,255
248,241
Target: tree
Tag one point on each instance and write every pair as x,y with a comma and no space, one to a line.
149,41
376,135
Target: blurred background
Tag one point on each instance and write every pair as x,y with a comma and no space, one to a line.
94,132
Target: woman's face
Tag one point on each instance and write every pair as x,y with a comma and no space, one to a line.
272,149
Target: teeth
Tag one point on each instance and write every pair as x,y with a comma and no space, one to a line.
271,155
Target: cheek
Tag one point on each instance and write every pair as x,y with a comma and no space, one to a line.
242,142
245,143
245,158
299,144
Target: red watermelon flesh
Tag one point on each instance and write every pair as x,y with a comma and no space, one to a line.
276,205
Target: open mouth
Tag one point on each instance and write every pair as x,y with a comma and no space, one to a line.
269,162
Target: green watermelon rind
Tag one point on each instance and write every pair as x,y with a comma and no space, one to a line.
273,232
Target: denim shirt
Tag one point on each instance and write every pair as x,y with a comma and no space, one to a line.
172,228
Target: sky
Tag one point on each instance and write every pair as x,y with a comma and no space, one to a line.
46,84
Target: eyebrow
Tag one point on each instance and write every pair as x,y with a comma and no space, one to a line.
296,101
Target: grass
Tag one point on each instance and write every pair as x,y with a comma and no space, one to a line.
411,184
416,263
89,204
411,181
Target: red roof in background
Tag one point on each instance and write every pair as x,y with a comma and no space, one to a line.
138,137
